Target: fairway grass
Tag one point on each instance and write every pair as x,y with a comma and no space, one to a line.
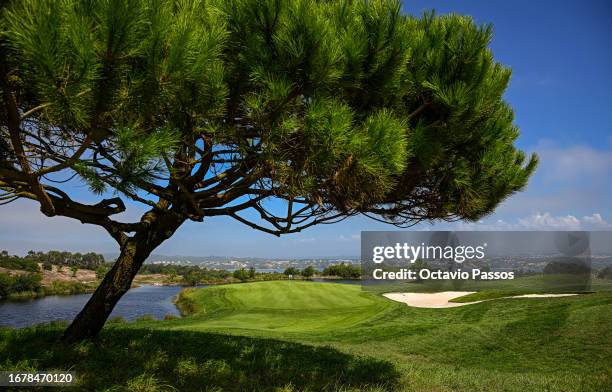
545,344
306,336
281,306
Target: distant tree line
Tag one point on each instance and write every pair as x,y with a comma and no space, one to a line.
204,275
191,274
168,269
17,263
346,271
88,260
30,262
28,284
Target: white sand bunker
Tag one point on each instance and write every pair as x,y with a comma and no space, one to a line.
441,300
430,300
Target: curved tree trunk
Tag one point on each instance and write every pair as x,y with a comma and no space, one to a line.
118,280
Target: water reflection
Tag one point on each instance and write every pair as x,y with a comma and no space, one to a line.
145,300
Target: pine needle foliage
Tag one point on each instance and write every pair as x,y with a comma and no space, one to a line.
213,107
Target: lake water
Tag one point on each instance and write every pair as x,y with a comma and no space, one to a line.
145,300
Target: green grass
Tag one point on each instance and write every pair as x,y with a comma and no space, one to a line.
280,306
306,336
497,294
532,284
145,359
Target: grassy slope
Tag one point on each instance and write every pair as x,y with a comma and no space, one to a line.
506,344
320,336
281,306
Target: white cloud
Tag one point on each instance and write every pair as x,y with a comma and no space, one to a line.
547,221
542,221
595,220
568,180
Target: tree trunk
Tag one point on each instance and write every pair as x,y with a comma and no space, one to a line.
118,280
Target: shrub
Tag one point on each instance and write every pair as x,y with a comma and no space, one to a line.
347,271
101,271
308,271
18,263
241,274
26,282
291,271
6,284
145,317
186,303
192,278
74,270
23,283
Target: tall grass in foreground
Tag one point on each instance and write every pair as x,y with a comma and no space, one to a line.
138,359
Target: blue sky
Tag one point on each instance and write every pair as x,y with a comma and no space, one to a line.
561,92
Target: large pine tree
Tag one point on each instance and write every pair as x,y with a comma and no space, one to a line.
206,108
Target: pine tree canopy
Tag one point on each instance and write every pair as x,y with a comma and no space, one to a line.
281,114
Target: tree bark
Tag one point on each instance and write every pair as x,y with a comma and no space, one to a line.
118,280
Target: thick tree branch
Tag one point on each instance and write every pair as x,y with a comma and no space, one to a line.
13,125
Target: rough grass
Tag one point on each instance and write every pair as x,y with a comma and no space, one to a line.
305,336
143,359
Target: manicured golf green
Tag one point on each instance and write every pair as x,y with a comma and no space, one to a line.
306,336
282,306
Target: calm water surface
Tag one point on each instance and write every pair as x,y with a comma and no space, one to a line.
145,300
